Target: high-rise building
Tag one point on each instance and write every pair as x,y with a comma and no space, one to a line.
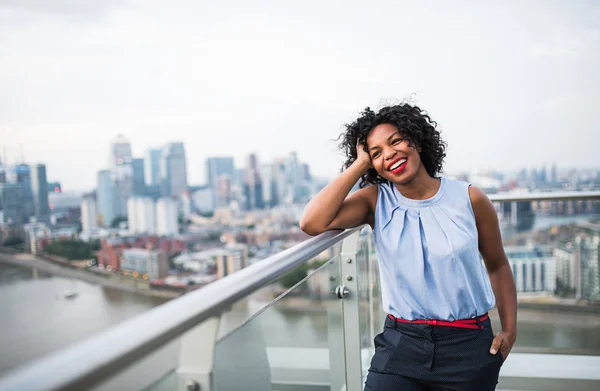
152,166
534,269
293,175
267,175
121,171
587,242
141,215
54,187
223,191
21,173
567,267
578,262
120,152
218,167
39,189
11,198
173,169
105,198
89,212
166,217
280,193
139,183
2,173
253,185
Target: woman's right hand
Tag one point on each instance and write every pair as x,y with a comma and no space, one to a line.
362,156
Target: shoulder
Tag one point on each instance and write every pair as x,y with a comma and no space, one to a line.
477,196
482,206
369,195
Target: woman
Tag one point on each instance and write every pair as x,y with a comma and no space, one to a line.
430,234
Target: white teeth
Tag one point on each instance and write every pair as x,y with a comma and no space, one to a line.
397,164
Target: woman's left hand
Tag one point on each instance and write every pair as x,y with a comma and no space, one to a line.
503,342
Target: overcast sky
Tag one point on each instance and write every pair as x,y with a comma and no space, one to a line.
511,85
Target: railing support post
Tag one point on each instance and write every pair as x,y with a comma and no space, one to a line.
196,356
350,313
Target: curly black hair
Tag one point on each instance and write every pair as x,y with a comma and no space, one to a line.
413,123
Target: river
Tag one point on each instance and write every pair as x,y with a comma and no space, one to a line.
37,319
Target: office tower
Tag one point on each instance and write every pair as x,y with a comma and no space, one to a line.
11,198
105,198
39,189
253,184
120,152
89,212
166,217
223,191
152,166
219,167
141,215
139,184
173,169
2,173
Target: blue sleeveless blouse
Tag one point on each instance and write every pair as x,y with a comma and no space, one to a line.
428,255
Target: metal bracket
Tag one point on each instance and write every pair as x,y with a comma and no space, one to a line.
341,291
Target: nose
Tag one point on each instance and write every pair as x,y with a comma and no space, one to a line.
389,153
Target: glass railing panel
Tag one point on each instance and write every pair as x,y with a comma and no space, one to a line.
154,372
370,310
553,249
291,341
245,308
167,382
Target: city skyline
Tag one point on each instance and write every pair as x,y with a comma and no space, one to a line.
510,88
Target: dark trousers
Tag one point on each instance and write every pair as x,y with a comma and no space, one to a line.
421,357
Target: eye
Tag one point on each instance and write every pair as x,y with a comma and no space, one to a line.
397,141
375,154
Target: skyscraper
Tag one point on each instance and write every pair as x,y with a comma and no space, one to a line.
141,215
139,184
269,186
120,151
166,217
2,173
152,166
89,212
11,198
173,169
21,173
39,188
253,185
218,167
121,170
105,198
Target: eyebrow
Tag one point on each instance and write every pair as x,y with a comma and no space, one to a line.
397,133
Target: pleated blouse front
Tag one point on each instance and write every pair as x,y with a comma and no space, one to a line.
428,254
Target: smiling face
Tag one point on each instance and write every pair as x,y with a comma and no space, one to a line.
392,156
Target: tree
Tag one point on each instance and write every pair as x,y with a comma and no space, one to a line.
70,249
298,274
117,221
95,244
295,276
14,242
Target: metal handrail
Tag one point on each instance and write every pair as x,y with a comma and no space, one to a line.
94,360
543,196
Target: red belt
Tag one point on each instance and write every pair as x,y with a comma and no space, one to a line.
474,323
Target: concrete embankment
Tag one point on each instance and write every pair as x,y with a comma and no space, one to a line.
111,280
